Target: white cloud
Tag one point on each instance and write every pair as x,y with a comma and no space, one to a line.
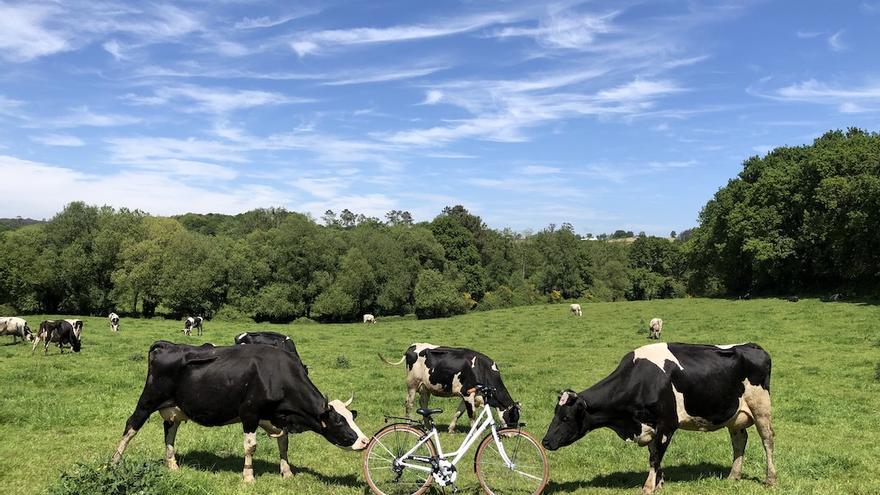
157,193
214,100
114,48
836,43
267,22
539,170
24,34
318,41
855,99
671,165
383,75
143,150
84,117
9,106
432,97
639,90
58,140
324,188
565,29
804,35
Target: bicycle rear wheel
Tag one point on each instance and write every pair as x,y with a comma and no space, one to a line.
527,476
384,474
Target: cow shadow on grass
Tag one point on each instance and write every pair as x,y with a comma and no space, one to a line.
210,462
635,479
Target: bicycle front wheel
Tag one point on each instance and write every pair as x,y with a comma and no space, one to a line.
528,471
384,465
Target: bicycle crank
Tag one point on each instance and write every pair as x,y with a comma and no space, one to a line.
445,473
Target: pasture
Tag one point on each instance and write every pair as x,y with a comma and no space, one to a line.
57,410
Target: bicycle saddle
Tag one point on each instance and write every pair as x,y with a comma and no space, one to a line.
428,412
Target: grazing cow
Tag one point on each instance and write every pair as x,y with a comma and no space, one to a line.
193,322
746,296
114,321
654,328
792,299
17,327
836,297
267,338
451,372
660,388
77,327
575,309
368,318
59,331
257,386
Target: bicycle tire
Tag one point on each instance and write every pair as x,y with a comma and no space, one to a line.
399,446
537,473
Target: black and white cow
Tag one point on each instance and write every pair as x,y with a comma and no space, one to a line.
267,338
113,318
58,331
257,386
660,388
453,372
77,327
17,327
193,322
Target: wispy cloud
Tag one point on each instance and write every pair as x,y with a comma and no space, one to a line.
835,42
539,170
214,100
564,29
805,35
25,35
318,41
83,116
58,140
263,22
383,75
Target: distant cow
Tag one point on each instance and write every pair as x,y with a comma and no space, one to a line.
77,327
17,327
257,386
792,299
575,309
660,388
368,318
193,322
58,331
267,338
654,328
452,372
114,321
836,297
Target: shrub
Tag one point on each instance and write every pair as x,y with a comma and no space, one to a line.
342,362
229,312
7,310
128,477
437,297
302,320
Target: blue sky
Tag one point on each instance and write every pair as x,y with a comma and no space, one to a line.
603,114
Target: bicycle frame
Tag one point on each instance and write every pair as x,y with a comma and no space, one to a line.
484,421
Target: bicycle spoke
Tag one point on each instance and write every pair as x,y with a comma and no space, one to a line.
526,472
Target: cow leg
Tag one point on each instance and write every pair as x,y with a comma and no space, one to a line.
36,342
134,423
656,450
738,439
250,446
283,442
462,407
424,395
408,403
170,434
759,403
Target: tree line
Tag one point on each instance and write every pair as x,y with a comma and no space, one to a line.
799,219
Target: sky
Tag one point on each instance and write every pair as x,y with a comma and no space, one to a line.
607,115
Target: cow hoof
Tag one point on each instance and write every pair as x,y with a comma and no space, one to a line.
286,474
770,481
249,478
734,477
172,465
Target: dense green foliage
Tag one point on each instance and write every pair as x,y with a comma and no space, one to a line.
58,410
137,477
800,218
275,265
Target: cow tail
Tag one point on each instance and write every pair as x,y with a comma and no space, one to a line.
389,362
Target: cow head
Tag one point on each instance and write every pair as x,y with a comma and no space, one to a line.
511,415
75,343
571,421
26,333
339,428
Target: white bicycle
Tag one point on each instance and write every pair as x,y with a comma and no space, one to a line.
403,458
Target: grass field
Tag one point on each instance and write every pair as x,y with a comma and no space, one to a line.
57,410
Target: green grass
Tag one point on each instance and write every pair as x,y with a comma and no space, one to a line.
58,410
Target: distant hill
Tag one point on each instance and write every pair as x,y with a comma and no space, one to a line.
14,223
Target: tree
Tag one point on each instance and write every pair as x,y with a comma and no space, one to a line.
436,297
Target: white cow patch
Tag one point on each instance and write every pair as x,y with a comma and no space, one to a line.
657,354
729,346
340,408
646,435
474,362
241,336
494,367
